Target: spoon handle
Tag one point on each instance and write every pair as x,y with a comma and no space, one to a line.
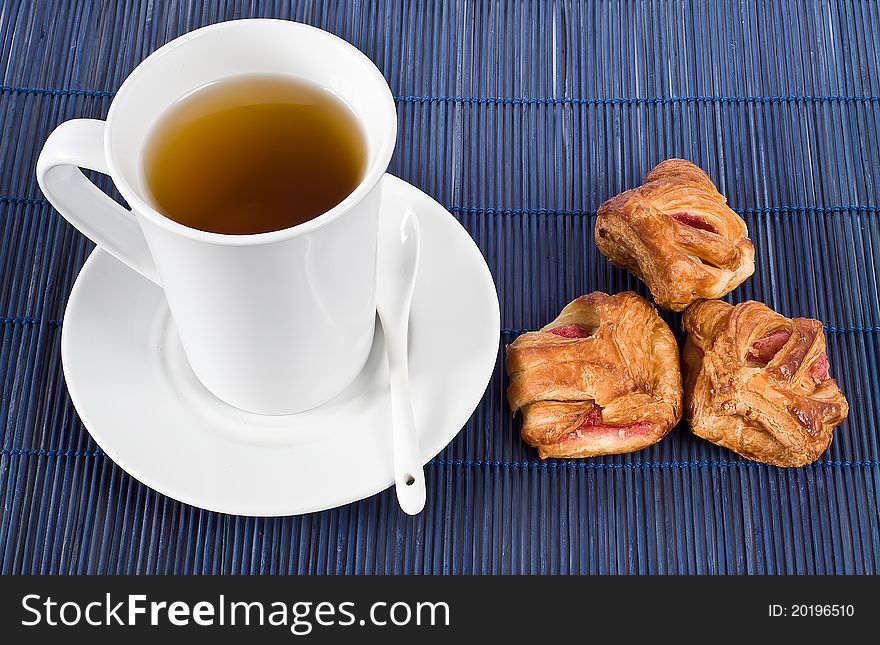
409,475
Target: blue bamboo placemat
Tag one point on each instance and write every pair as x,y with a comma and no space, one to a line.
521,117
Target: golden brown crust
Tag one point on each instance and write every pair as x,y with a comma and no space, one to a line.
757,382
606,381
676,232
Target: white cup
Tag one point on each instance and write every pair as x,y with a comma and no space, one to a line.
273,323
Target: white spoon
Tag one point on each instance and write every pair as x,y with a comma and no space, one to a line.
397,265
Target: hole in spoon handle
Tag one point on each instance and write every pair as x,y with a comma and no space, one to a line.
411,492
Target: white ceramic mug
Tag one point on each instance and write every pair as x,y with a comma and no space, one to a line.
273,323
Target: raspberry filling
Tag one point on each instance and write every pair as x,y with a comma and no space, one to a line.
571,331
819,369
763,351
694,221
591,424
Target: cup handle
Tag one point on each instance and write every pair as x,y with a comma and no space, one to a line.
80,144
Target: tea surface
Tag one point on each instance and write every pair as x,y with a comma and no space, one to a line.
253,155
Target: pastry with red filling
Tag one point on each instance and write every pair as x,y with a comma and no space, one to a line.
601,379
757,382
677,233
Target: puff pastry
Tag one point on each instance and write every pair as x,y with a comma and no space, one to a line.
757,382
677,233
603,378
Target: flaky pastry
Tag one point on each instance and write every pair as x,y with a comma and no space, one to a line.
757,382
603,378
677,233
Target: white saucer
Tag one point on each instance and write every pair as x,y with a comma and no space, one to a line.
135,392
